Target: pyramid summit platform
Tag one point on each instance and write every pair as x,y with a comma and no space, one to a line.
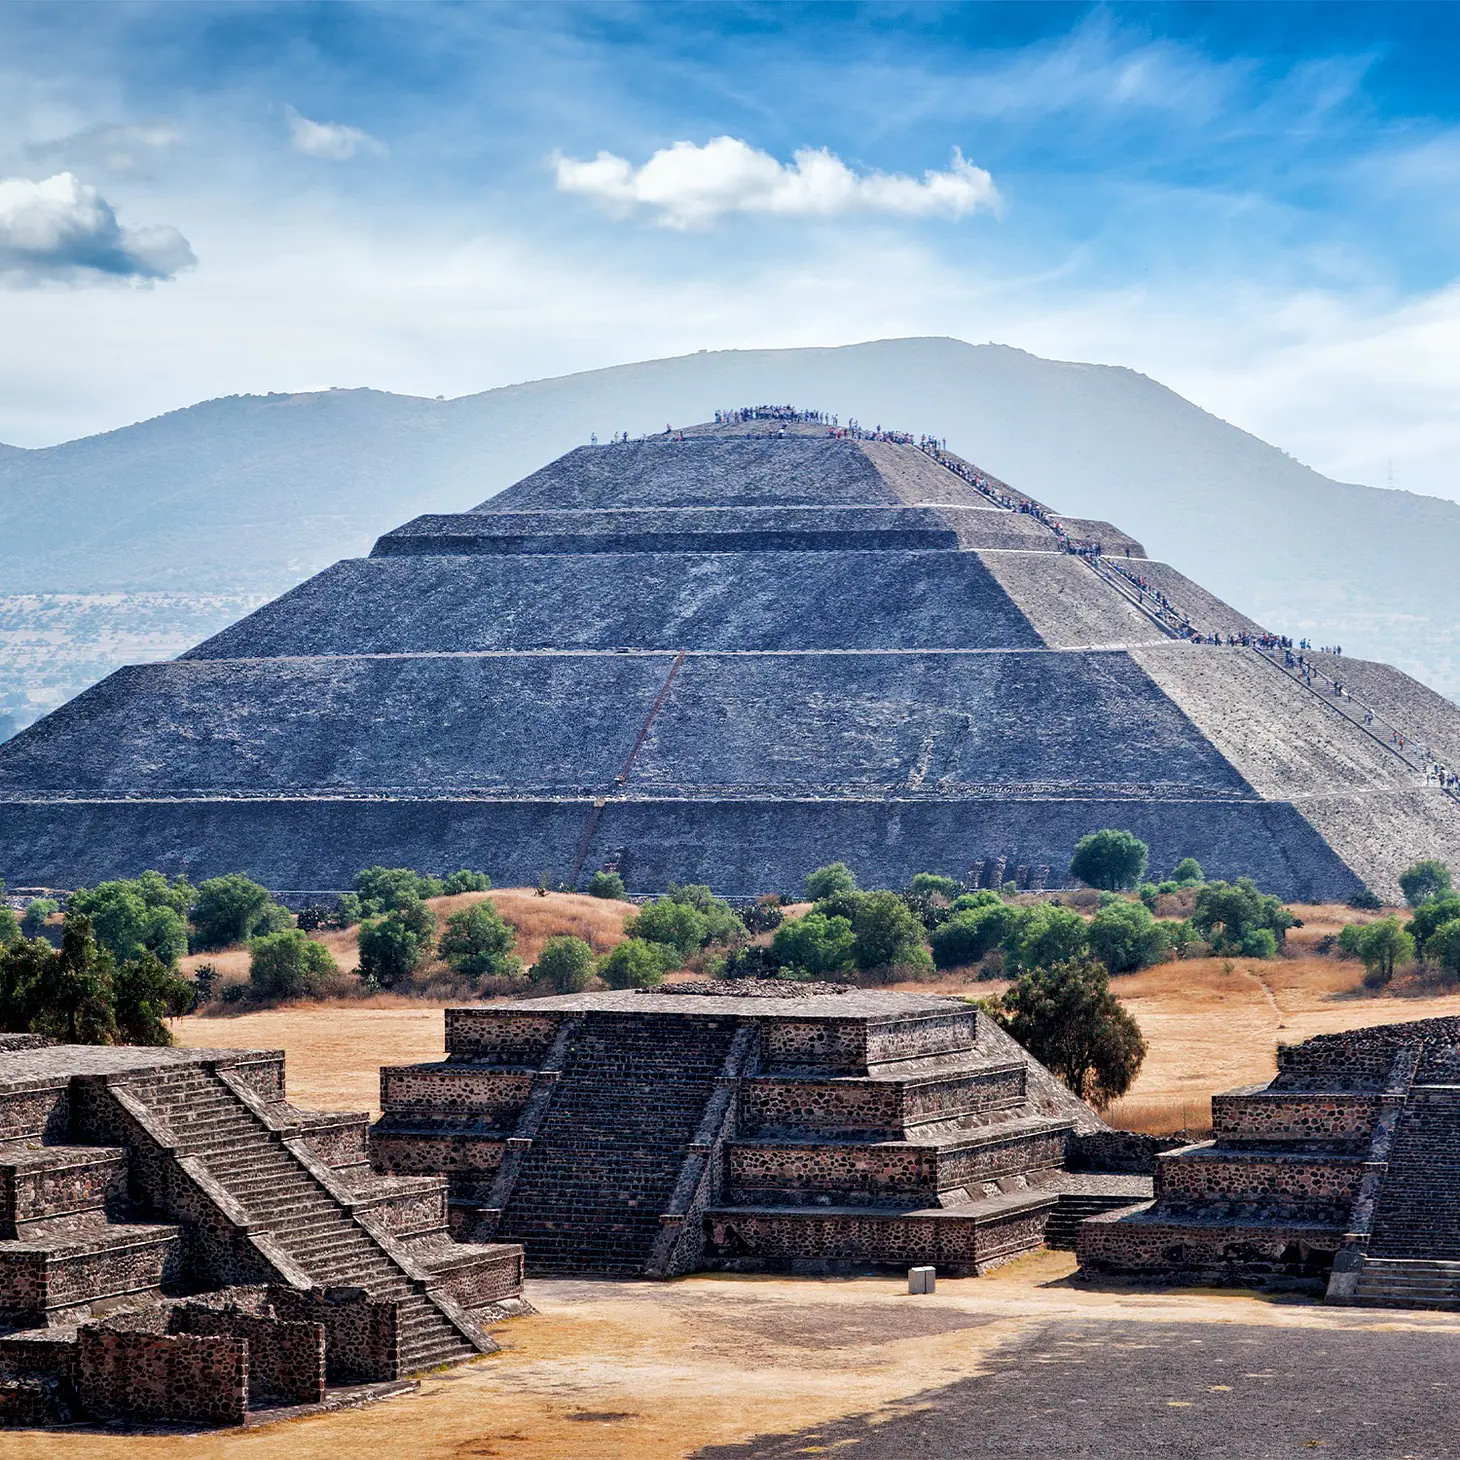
728,655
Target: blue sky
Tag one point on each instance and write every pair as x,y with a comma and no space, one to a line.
1255,203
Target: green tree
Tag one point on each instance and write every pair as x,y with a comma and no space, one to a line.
565,963
934,884
387,889
972,901
23,970
1383,946
348,911
35,915
1429,916
1124,937
9,926
607,885
1188,873
1044,935
814,945
635,964
968,936
1232,915
133,916
478,941
1442,948
1423,881
1067,1017
392,947
887,934
146,993
227,909
465,881
289,965
73,994
1110,859
722,922
828,880
676,925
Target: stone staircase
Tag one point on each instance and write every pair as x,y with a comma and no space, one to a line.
1417,1214
604,1164
282,1197
1390,1282
1063,1223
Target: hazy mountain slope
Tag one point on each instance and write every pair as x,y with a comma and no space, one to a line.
250,494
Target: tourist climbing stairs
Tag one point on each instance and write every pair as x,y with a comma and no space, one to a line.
604,1163
283,1198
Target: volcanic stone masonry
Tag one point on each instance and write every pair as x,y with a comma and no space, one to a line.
728,655
745,1127
1342,1174
179,1242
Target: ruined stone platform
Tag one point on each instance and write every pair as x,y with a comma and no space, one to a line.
173,1231
658,1133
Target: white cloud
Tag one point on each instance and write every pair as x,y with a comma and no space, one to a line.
61,228
691,186
330,141
119,148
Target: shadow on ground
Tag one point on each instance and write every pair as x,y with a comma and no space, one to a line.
1180,1391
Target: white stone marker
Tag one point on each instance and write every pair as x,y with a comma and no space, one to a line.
922,1279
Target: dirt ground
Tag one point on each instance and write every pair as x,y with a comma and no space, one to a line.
780,1367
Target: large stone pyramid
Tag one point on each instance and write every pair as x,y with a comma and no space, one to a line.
729,654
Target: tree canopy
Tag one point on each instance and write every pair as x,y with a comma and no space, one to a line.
1111,860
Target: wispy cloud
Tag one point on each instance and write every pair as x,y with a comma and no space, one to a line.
688,186
63,229
125,148
330,141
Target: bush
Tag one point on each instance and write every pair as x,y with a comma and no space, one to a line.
479,942
814,945
289,965
68,991
1069,1020
465,881
392,947
33,919
387,889
722,924
887,934
925,883
1188,873
828,880
348,911
969,935
146,993
752,961
1226,914
674,924
205,983
9,926
1109,859
1429,916
1443,947
608,885
1424,881
1383,946
133,916
566,963
1125,937
972,901
637,964
762,916
1259,943
1043,935
1365,900
226,910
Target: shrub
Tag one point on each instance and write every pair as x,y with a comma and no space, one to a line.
1188,873
934,884
348,911
479,942
762,916
971,901
226,910
1226,914
1110,859
1068,1019
68,990
1442,948
887,934
33,919
1148,893
825,881
289,965
205,983
9,926
1383,946
842,904
1043,935
637,964
386,889
566,963
815,945
146,993
969,935
391,948
133,916
1429,916
674,924
752,961
1423,881
1125,937
1365,900
465,881
608,885
722,924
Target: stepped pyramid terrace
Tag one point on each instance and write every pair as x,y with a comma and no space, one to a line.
760,1126
179,1242
730,654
